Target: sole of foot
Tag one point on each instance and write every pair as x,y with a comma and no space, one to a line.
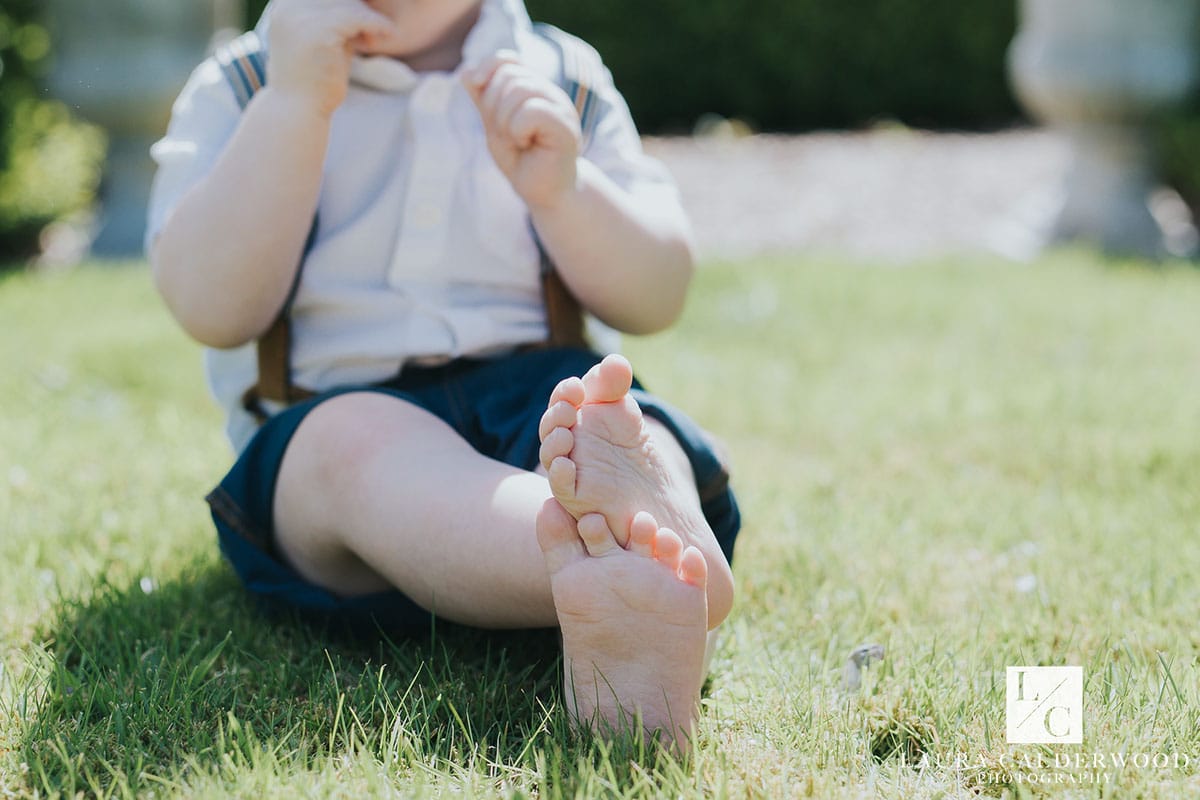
633,622
601,458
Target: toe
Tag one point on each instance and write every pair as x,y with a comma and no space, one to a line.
693,568
642,533
608,381
561,474
558,537
668,548
560,415
596,536
569,390
558,443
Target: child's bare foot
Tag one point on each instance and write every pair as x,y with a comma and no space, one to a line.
633,621
600,458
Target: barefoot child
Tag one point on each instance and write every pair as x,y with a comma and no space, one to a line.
447,462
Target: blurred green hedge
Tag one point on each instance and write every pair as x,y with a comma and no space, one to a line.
49,162
802,64
788,65
1179,150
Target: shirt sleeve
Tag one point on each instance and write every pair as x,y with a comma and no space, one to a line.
203,119
615,146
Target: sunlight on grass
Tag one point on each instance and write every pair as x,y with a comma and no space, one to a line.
975,465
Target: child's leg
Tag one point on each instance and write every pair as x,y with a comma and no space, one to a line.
603,456
376,493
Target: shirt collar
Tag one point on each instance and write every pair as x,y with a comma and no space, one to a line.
499,22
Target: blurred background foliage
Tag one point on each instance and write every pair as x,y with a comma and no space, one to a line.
785,65
49,161
1179,149
790,65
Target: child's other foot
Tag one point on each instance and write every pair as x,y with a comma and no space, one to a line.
633,621
600,458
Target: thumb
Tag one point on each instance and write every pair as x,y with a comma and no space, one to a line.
362,26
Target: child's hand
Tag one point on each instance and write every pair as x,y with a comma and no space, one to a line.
311,44
532,127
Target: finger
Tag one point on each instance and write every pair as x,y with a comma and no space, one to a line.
357,23
517,93
502,80
539,120
479,77
312,43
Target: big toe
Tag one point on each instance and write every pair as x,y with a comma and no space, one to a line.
608,381
558,536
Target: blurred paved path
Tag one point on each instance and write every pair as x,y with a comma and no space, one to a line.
894,195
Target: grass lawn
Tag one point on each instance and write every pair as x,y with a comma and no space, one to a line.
976,465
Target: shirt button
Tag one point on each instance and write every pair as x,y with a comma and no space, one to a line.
427,215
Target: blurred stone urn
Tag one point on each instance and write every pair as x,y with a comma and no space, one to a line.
1100,71
120,64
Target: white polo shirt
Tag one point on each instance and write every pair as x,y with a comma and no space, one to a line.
423,249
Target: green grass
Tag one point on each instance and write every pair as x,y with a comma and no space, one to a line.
975,464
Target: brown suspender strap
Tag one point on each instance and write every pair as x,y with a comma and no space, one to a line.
564,325
274,351
580,69
274,357
564,315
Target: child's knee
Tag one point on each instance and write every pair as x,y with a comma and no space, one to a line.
343,438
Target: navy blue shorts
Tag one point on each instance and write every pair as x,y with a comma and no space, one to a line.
496,406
